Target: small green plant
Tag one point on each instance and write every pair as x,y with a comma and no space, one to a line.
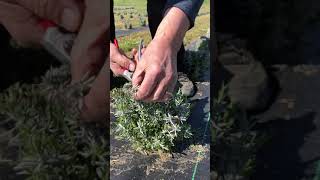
150,126
142,22
127,25
317,172
233,140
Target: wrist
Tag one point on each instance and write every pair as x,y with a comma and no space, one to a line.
173,28
166,42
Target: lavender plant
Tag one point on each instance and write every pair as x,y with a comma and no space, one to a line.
45,139
150,126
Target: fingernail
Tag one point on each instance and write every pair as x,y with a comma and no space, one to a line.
70,19
131,67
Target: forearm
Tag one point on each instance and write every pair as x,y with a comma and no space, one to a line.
189,7
173,28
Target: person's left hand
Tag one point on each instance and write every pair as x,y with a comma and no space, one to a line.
156,72
89,54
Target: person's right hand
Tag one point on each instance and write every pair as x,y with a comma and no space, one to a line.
119,61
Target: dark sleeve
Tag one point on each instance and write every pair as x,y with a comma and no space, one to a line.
112,29
189,7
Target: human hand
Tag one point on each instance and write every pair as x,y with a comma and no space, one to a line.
21,19
156,72
119,61
89,57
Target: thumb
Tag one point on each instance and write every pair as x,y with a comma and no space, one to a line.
138,74
65,13
124,62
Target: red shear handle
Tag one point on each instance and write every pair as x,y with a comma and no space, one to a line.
45,24
115,41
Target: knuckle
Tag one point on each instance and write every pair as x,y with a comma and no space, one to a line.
138,96
126,63
156,98
155,69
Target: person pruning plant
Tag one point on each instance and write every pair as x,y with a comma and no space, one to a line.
156,71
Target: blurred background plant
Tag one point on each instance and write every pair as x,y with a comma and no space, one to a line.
317,172
234,142
41,134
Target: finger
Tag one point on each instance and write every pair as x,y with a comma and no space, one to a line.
95,104
164,90
149,83
116,69
138,75
138,80
89,49
159,93
67,14
134,51
21,24
168,95
170,90
136,56
124,62
117,57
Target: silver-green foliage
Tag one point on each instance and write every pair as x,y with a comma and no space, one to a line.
45,135
234,142
150,126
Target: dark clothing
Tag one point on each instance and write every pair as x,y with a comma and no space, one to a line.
156,9
189,7
155,13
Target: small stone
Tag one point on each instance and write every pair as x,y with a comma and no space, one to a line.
200,44
186,85
249,88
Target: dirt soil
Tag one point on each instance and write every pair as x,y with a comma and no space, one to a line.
293,120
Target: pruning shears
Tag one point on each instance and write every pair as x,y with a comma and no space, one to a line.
59,44
126,73
57,41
